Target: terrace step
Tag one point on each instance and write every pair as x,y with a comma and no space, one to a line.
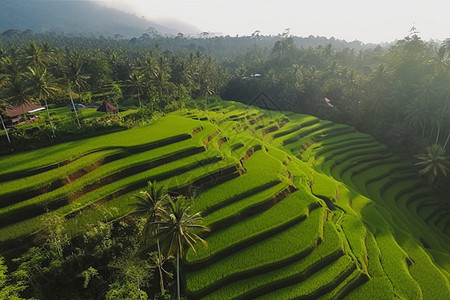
289,212
16,197
300,273
317,284
343,148
10,215
314,129
247,207
240,197
295,126
261,257
353,281
220,172
259,163
131,149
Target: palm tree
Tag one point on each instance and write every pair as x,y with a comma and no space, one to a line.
75,78
4,128
379,82
3,83
136,81
435,164
42,86
161,76
16,90
34,56
158,260
179,228
152,203
416,114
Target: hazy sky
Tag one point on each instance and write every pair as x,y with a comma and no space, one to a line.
364,20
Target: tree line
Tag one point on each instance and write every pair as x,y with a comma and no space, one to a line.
143,77
400,93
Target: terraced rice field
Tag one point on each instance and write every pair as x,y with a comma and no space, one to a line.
299,208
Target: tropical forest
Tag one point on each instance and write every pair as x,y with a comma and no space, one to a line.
223,167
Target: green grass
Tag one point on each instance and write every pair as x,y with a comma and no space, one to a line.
289,210
163,128
393,257
258,246
314,284
243,206
379,286
303,271
261,256
259,163
33,225
102,172
433,283
9,188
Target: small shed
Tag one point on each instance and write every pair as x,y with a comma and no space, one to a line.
107,107
15,113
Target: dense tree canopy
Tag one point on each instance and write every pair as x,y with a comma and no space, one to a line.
399,93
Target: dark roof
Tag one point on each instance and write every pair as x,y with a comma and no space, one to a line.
17,110
106,107
76,105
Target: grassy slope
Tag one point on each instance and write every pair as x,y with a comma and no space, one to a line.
309,210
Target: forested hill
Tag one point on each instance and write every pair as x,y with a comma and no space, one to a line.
73,17
91,18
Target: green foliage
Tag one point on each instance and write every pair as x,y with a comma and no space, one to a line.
8,288
125,291
434,164
104,261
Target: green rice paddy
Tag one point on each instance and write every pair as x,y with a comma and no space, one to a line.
299,208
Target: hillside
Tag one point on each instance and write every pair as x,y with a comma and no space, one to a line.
298,207
74,17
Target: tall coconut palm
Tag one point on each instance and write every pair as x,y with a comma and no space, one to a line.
34,56
16,90
416,114
4,127
42,86
137,83
434,164
379,82
76,79
161,76
179,228
152,203
3,82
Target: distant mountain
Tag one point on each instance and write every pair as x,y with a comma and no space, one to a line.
74,17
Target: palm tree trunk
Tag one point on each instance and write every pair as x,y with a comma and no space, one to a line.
139,99
74,109
446,141
437,135
161,281
49,118
178,274
6,130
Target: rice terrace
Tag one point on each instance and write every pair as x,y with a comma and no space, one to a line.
298,207
162,150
